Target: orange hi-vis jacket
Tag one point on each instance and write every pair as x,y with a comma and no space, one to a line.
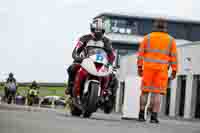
158,51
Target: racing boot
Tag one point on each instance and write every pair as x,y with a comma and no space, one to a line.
70,84
69,88
71,72
154,118
141,116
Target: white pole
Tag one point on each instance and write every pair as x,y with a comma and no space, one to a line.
173,87
188,96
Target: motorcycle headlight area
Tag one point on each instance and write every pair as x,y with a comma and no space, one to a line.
99,58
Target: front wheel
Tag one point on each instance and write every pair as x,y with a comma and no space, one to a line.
92,98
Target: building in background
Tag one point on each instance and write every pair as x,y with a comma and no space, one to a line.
126,30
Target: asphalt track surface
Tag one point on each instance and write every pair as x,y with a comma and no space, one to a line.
35,121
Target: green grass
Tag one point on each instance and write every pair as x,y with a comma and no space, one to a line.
44,91
57,91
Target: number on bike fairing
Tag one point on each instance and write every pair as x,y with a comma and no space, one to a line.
99,57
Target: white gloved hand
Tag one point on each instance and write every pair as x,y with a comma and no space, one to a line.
110,68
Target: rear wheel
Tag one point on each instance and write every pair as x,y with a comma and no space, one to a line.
108,107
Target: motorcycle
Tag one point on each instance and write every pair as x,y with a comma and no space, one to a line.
33,97
90,83
11,89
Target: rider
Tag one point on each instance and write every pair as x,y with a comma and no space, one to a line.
10,79
34,85
97,28
33,91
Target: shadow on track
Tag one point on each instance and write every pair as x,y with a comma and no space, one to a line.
96,116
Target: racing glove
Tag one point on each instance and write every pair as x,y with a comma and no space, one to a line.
140,71
173,75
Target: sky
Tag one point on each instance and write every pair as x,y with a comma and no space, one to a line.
38,36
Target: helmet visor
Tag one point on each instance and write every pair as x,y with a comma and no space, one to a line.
98,25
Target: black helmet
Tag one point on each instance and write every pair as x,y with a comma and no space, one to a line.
97,27
160,25
11,75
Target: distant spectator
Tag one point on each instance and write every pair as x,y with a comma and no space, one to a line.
10,79
10,86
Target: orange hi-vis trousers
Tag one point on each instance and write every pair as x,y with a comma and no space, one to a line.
154,81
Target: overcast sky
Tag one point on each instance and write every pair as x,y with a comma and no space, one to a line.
37,36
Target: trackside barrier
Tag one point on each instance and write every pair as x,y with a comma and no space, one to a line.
182,99
195,110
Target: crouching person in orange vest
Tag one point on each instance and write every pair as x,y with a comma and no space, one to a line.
157,52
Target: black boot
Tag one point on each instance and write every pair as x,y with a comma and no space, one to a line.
154,118
69,88
141,116
71,77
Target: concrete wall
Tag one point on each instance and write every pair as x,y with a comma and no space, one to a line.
192,51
